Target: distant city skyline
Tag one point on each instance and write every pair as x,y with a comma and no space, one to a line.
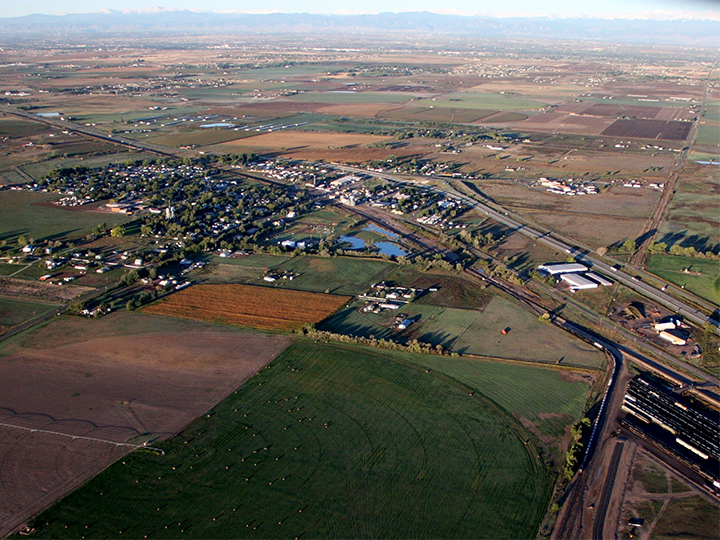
650,9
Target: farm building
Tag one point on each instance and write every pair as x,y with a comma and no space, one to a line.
601,280
577,282
675,336
562,268
668,323
404,324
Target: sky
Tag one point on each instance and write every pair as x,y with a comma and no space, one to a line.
656,9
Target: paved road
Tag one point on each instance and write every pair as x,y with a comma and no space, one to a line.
547,238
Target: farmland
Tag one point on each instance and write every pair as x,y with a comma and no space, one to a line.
125,377
14,312
472,332
246,305
415,451
32,215
692,216
697,275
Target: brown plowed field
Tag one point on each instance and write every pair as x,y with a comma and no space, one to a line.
249,305
567,123
127,376
649,129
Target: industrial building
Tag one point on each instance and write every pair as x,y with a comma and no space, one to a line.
562,268
577,282
601,280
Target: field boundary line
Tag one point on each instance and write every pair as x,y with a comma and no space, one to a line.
84,437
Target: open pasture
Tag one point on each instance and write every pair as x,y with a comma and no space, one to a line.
14,311
440,114
566,123
487,101
125,377
31,215
352,97
247,305
699,276
331,441
692,217
296,140
528,338
604,219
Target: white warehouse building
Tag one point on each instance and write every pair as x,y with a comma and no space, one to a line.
562,268
578,283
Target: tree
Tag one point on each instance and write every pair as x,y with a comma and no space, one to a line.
629,245
118,232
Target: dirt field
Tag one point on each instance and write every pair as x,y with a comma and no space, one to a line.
566,123
88,378
249,305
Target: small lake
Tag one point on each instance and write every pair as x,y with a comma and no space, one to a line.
708,162
355,242
388,248
384,232
49,114
218,124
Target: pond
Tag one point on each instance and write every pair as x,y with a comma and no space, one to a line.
218,124
384,232
388,248
355,242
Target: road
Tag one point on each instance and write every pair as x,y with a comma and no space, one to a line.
547,238
602,507
655,220
502,217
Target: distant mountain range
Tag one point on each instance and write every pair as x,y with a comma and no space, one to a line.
690,32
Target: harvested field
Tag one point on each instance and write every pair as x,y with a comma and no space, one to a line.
296,140
649,129
567,123
125,377
248,305
38,290
443,114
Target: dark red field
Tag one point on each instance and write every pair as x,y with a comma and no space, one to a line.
649,129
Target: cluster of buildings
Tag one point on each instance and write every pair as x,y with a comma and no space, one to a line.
576,276
567,187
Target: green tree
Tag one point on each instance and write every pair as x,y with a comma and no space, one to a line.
118,232
629,245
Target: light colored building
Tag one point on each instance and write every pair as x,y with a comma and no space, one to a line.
578,282
673,337
562,268
601,280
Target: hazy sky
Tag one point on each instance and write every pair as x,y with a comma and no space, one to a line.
588,8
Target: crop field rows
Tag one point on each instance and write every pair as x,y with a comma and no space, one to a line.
245,305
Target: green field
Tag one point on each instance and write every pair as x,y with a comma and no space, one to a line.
528,338
24,213
14,312
20,128
708,134
690,518
330,441
475,332
338,275
670,268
